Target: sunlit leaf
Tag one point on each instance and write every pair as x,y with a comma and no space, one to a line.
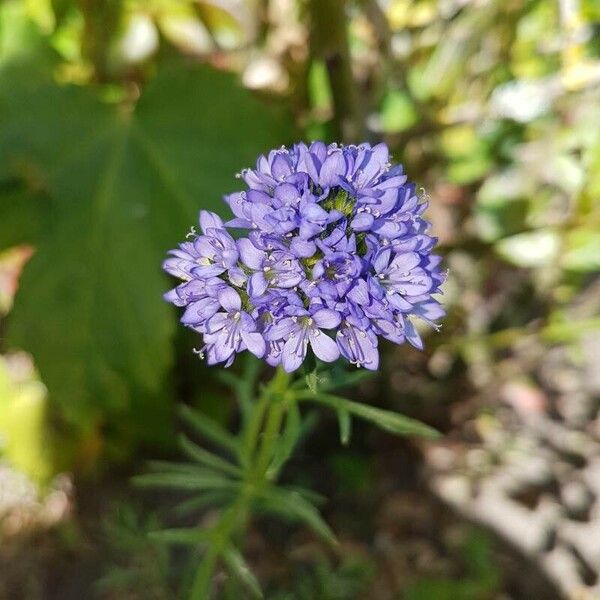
226,19
531,249
41,12
319,88
23,429
502,204
20,37
583,250
467,170
397,112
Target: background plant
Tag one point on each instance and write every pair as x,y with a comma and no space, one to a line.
491,106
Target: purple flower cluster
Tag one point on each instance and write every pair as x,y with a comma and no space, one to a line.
335,255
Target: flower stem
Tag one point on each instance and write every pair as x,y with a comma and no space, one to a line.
258,446
275,416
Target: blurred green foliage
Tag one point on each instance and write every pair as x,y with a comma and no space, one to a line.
141,567
103,188
120,119
479,581
325,581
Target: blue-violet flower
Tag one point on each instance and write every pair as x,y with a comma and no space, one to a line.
335,255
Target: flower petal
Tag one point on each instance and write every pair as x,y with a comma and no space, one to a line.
197,312
303,248
287,193
326,318
210,220
257,284
281,329
251,256
239,223
217,322
405,262
237,276
359,292
293,354
255,343
382,260
230,299
362,221
412,335
333,167
323,346
280,167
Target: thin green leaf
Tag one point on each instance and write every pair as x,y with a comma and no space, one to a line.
164,466
207,458
289,438
182,536
222,532
309,495
387,420
309,422
239,567
228,378
209,429
191,506
252,368
345,424
184,481
293,506
329,379
346,379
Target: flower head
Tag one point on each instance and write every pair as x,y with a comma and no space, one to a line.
334,255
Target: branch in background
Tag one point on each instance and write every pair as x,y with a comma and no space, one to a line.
329,42
382,35
101,21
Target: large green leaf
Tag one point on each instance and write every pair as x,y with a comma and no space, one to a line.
18,206
124,185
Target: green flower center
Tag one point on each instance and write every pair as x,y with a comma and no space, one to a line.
340,200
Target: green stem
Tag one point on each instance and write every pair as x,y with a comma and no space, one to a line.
223,531
271,434
277,392
270,408
253,429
